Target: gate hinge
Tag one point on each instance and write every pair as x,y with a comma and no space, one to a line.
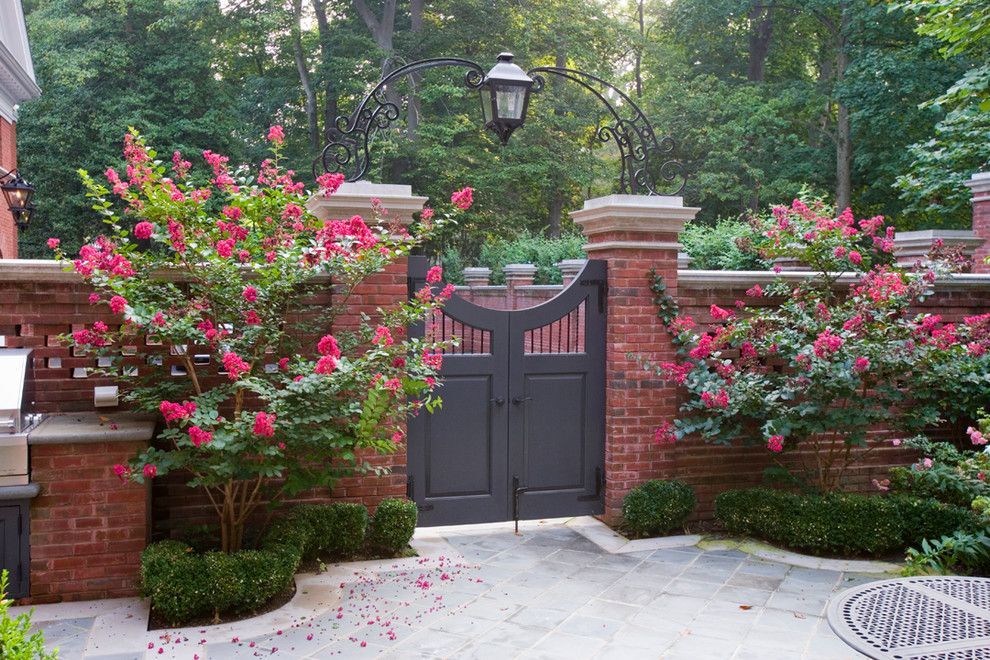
411,495
602,291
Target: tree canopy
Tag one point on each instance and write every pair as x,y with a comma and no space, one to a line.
882,106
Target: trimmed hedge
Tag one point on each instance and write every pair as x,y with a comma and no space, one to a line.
840,524
657,506
393,526
183,584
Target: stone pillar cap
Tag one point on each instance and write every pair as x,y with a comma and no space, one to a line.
633,213
572,263
979,183
519,270
354,198
477,270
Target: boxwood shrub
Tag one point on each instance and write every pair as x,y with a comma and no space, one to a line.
656,507
393,526
837,524
184,584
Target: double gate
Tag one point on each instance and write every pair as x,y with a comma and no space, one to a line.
520,433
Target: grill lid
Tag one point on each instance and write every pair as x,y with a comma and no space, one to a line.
13,371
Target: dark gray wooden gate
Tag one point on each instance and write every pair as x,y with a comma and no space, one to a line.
521,430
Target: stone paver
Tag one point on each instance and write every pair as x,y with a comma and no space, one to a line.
548,593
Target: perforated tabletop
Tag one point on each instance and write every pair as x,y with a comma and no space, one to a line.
918,618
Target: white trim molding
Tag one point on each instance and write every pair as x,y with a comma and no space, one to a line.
17,82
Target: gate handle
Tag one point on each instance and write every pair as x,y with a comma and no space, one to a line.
521,399
498,401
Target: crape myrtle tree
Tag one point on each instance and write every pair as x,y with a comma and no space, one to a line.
824,368
225,264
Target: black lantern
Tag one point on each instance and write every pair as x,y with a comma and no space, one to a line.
505,97
18,193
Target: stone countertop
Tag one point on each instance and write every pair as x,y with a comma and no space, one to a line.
93,427
20,492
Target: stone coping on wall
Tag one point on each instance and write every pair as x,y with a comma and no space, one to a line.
49,270
93,427
728,279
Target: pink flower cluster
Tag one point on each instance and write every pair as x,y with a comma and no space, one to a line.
198,436
234,365
463,198
718,400
173,412
264,424
775,443
665,434
975,436
827,344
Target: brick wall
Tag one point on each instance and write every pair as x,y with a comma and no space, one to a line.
87,528
8,160
980,186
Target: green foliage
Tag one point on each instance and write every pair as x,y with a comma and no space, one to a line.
657,507
729,244
962,552
840,524
184,584
17,642
392,526
949,474
540,251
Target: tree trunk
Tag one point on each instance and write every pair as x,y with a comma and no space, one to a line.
760,34
638,64
330,104
416,27
297,52
556,209
843,130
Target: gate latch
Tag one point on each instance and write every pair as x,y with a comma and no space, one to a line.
517,490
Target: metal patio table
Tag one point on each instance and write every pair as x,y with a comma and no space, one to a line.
916,618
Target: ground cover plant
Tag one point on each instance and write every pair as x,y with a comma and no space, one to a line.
827,364
270,396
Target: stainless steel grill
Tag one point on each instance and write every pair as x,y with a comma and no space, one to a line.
15,421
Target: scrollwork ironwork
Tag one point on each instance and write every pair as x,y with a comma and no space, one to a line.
647,165
349,140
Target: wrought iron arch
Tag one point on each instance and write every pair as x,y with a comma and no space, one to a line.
647,164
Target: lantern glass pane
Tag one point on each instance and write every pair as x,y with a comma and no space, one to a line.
510,100
486,105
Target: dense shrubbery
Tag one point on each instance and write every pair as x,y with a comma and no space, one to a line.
957,477
392,526
656,507
183,584
839,524
727,245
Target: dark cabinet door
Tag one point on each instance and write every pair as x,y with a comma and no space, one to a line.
13,547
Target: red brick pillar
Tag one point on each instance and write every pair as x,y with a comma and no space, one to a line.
381,291
980,185
633,234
